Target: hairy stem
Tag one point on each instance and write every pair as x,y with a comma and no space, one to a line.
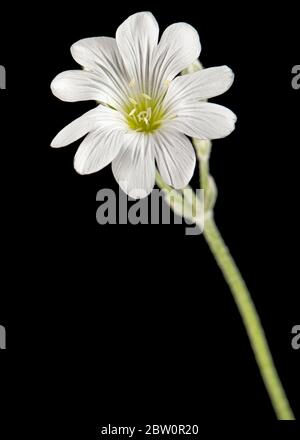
247,310
250,319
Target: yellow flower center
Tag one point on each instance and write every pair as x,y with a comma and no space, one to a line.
144,114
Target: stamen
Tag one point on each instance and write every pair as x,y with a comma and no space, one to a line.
142,115
149,113
146,96
132,112
133,101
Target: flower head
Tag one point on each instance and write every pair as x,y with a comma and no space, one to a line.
145,110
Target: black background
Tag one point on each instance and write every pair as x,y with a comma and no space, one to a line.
135,324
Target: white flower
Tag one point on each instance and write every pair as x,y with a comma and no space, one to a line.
145,110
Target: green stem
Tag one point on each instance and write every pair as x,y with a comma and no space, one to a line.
244,303
251,321
247,311
160,183
204,173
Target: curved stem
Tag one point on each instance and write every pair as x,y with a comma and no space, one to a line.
247,310
251,321
244,303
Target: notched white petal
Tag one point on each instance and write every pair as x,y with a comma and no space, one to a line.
201,85
179,47
98,149
175,157
82,85
94,52
134,167
101,54
203,120
76,129
137,38
94,119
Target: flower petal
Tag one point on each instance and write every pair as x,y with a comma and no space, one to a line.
200,85
81,85
76,129
179,47
203,120
175,158
101,54
96,118
98,149
137,38
134,167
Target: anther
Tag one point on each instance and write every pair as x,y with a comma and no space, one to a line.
149,113
146,96
133,101
132,112
142,115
